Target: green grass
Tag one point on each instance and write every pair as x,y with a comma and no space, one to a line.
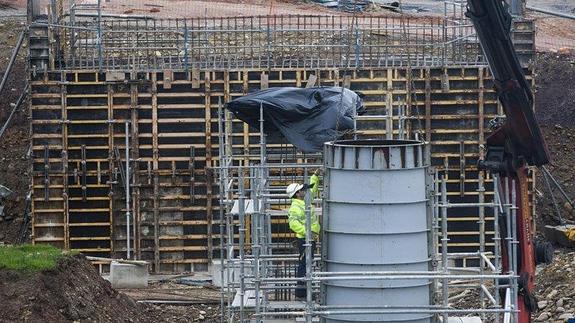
30,258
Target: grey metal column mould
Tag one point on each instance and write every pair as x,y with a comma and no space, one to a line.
376,219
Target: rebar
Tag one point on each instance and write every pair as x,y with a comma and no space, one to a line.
15,51
126,43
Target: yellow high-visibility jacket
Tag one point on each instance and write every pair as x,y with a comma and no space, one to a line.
314,182
296,213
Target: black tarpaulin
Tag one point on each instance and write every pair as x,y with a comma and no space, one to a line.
305,117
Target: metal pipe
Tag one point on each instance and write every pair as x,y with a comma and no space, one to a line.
422,311
557,210
514,243
488,262
507,316
497,236
379,306
481,200
258,248
221,213
551,12
509,238
241,215
99,40
308,251
316,286
465,254
12,59
127,143
488,294
461,205
373,273
110,15
132,262
277,166
18,103
444,240
558,186
446,277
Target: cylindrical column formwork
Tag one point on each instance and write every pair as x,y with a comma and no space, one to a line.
376,219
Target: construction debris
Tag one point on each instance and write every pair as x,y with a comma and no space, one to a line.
555,291
359,5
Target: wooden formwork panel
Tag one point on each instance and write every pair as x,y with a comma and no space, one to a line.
78,143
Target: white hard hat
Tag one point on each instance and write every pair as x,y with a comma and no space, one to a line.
293,188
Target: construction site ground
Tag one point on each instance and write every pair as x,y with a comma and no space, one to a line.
84,296
74,291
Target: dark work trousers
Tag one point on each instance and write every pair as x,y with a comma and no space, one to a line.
300,289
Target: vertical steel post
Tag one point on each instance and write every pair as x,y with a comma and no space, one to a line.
221,213
481,191
100,58
265,227
444,35
241,215
497,237
357,44
128,245
509,242
186,54
73,31
444,241
12,59
308,251
257,220
514,242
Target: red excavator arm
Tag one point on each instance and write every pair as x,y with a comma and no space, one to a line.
517,143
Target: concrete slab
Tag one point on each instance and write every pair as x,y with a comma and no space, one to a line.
234,273
128,275
249,299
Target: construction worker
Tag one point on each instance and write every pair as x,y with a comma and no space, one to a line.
297,223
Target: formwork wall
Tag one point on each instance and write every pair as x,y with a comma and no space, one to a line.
79,119
78,131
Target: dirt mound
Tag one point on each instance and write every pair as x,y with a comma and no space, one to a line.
560,144
555,99
73,291
555,110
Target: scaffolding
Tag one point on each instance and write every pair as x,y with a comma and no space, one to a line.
258,267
